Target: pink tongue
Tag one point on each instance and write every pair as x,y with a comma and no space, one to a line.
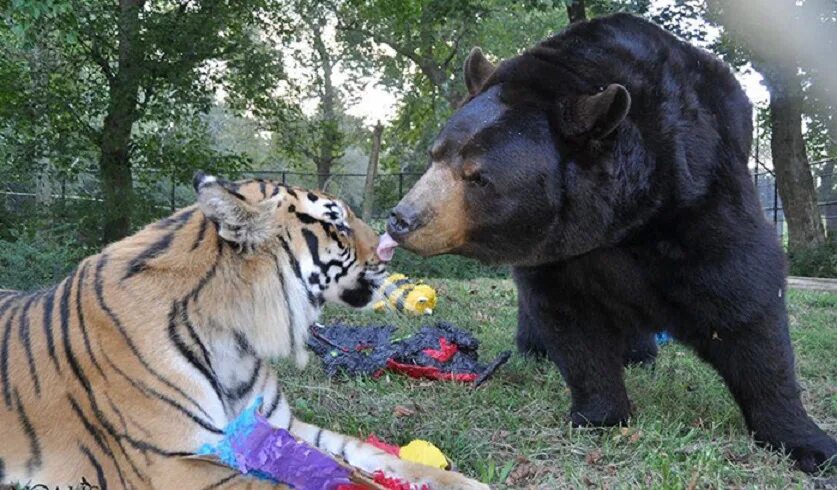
386,247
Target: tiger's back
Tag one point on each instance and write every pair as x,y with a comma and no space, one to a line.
90,383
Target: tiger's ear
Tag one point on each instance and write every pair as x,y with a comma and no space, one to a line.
238,221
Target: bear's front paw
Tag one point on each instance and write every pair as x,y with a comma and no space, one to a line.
815,456
601,413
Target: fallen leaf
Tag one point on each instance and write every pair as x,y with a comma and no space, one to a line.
402,411
499,435
483,317
522,472
735,458
693,481
690,448
636,436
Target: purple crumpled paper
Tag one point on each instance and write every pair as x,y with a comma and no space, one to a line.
254,447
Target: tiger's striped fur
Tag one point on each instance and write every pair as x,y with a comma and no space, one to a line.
147,350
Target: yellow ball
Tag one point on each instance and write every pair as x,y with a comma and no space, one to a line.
423,452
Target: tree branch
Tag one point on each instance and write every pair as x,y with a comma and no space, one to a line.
382,40
308,153
98,58
93,134
455,47
147,95
95,51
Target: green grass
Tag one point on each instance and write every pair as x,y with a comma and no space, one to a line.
513,432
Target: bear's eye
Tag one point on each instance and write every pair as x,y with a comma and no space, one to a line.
472,174
477,179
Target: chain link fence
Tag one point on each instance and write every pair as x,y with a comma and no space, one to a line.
158,194
825,181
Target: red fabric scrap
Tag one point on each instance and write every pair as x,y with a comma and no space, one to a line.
445,352
429,372
388,482
390,448
392,483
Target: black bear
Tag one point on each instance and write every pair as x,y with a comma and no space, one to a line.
608,166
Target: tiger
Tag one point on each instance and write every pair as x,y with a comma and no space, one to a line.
116,376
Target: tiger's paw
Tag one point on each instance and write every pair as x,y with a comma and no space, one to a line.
434,478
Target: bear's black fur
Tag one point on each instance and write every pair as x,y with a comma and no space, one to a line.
608,165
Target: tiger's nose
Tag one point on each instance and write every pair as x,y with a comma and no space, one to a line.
402,221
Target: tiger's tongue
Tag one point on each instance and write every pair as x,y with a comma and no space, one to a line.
386,247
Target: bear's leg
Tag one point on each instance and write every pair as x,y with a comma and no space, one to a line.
590,360
641,348
529,342
756,362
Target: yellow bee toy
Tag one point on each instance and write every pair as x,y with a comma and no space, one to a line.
405,296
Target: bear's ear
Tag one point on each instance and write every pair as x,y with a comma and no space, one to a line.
477,70
238,221
596,116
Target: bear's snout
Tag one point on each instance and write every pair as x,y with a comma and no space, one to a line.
402,220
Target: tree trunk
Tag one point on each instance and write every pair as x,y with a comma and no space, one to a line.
329,144
790,161
576,11
43,183
323,172
40,68
827,194
828,183
115,158
371,173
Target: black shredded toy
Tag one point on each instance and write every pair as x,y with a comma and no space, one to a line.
442,352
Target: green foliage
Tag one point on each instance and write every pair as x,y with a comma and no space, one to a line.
31,259
444,266
426,44
816,261
684,18
76,70
176,143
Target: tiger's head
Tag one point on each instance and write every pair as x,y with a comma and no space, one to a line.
332,251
